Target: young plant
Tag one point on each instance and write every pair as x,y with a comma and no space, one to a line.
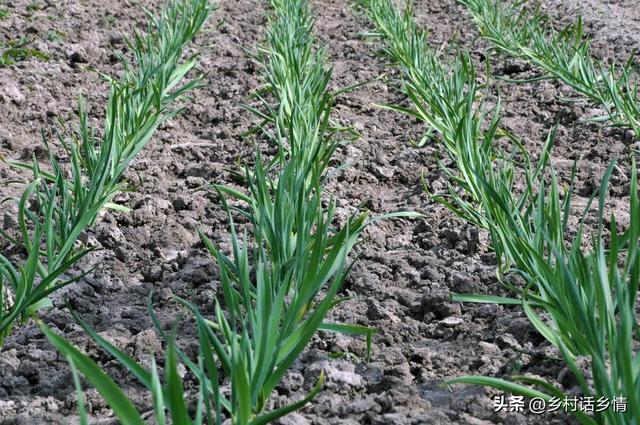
565,55
277,294
17,50
54,210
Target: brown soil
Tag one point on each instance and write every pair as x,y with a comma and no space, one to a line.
406,268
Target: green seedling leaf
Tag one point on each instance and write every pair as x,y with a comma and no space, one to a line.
113,395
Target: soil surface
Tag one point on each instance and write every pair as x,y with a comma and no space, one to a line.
406,269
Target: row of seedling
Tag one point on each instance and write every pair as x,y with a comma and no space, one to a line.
61,202
64,200
582,301
526,32
280,279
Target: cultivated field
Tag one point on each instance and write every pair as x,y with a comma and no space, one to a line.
319,212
